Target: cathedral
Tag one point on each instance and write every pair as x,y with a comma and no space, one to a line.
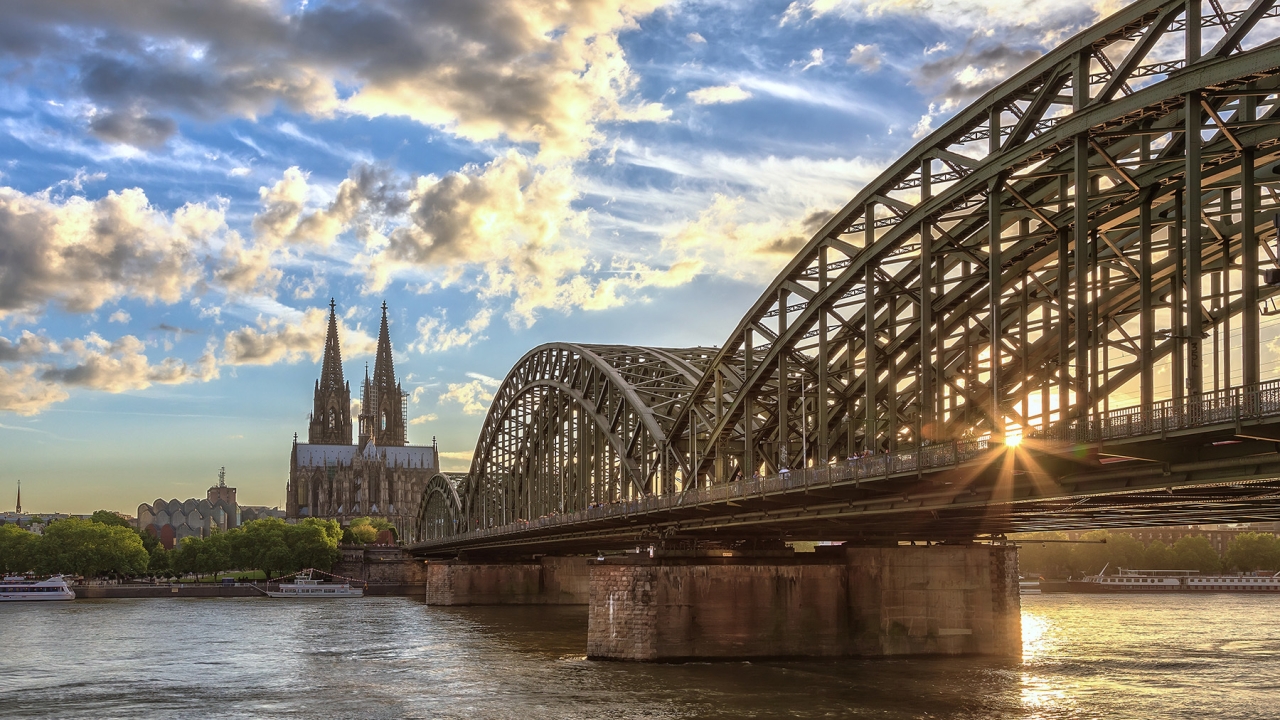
380,475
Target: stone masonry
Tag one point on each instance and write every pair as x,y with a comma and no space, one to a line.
878,601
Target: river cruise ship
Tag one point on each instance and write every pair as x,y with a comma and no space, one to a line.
1166,581
307,588
16,589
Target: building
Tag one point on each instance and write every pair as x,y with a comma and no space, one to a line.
172,520
380,475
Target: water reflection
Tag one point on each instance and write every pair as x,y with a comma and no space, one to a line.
1084,657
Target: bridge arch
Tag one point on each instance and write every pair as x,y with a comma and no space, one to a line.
1089,233
576,425
439,510
1101,214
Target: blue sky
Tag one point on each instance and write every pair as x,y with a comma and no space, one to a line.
183,188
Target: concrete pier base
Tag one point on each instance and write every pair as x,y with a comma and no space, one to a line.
860,601
547,581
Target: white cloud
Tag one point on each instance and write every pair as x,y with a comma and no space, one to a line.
279,340
866,57
719,94
424,419
81,254
435,335
696,38
123,365
22,391
119,316
473,396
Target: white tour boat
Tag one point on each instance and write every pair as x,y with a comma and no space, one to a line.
20,588
307,587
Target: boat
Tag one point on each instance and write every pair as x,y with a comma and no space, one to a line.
1124,581
1028,587
18,588
305,586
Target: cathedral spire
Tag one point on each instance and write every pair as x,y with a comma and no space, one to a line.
384,412
331,370
331,416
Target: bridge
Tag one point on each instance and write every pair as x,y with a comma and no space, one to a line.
1049,314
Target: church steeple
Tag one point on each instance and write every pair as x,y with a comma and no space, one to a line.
331,415
382,417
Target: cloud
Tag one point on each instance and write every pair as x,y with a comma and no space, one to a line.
141,131
722,239
22,390
28,346
815,59
276,340
719,94
474,396
81,253
119,316
507,229
123,365
866,57
435,335
695,38
424,419
532,71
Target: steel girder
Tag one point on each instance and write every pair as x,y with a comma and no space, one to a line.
574,426
1103,214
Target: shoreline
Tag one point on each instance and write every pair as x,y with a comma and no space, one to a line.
104,592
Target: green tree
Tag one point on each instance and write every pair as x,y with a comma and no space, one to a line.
314,543
1195,552
363,534
89,549
1253,551
261,545
1159,556
17,549
160,563
107,517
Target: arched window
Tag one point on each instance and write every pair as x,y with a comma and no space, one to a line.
333,418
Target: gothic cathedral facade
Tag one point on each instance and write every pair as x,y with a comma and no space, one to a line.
380,475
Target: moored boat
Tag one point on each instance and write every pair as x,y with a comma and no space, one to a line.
1125,581
22,589
305,586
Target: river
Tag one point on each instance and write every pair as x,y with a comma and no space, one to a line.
1085,656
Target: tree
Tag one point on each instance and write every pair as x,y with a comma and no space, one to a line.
17,548
1159,556
314,543
364,534
1253,551
261,545
86,548
107,517
1051,559
203,556
160,564
1195,552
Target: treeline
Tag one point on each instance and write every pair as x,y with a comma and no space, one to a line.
107,545
1247,552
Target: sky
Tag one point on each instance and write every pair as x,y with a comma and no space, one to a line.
184,186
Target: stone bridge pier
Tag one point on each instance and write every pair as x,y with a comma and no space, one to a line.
840,601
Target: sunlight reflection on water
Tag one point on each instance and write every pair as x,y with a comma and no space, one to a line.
1084,657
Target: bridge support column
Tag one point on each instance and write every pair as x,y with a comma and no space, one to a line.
876,601
547,581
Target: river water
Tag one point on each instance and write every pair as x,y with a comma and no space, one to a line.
1085,656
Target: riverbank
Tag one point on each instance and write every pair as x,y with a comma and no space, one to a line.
209,590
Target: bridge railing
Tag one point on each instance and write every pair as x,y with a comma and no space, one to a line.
856,469
1212,408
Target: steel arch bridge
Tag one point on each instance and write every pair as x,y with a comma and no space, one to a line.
1077,258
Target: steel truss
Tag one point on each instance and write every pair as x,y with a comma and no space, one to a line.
1105,215
574,426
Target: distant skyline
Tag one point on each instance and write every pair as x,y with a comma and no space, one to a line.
183,188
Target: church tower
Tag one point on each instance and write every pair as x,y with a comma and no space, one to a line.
382,414
331,415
